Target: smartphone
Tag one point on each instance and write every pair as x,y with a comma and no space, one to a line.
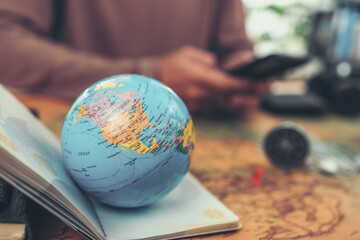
269,66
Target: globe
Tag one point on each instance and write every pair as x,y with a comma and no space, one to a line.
127,140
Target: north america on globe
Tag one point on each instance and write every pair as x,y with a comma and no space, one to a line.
127,140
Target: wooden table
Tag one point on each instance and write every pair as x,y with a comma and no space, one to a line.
297,204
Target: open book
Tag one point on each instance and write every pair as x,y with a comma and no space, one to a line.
30,160
12,231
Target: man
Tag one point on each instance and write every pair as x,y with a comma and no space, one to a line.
60,47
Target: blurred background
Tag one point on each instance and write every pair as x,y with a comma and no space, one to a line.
287,24
328,32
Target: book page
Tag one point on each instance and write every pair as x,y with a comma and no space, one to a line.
34,161
9,231
188,210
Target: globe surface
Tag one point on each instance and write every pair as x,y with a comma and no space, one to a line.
127,140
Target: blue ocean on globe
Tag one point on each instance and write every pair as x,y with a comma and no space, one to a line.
127,140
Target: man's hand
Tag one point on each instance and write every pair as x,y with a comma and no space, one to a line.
193,74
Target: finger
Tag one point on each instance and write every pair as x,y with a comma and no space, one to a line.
237,102
202,56
197,98
256,87
220,81
198,93
237,59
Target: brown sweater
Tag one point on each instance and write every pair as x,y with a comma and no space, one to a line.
99,38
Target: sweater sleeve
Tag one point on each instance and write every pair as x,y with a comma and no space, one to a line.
232,41
30,60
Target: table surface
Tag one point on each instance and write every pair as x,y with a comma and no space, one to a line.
296,204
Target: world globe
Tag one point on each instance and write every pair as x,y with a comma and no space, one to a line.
127,140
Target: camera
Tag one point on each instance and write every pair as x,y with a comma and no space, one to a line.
335,40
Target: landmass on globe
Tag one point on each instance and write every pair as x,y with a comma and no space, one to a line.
128,135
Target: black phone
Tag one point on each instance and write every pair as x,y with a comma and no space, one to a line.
269,66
